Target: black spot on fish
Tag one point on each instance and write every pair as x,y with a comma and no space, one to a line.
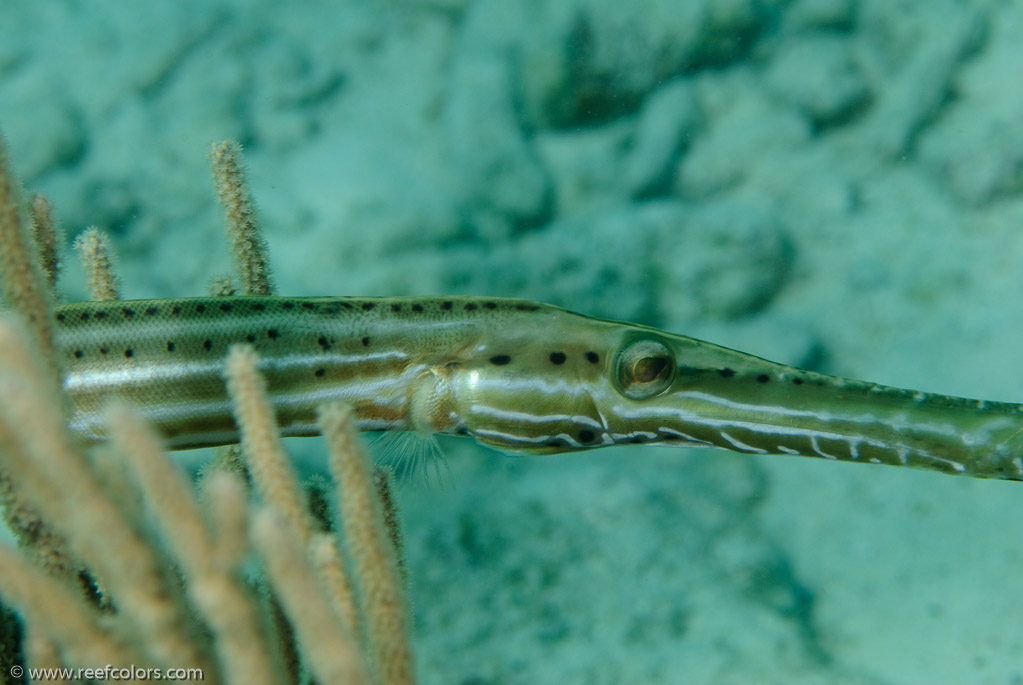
365,341
490,305
171,346
417,308
763,378
320,373
470,307
366,306
446,305
251,338
586,435
638,439
200,308
207,345
225,307
99,316
524,307
592,357
152,311
128,313
60,317
129,353
287,305
726,372
272,334
79,354
500,359
175,310
395,307
258,307
308,305
557,357
323,342
797,381
104,350
84,316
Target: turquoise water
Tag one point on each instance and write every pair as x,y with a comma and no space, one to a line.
825,182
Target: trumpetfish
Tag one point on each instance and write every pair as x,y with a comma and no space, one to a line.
518,376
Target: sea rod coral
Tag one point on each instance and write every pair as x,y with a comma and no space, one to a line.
124,563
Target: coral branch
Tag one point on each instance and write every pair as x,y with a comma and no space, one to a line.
93,248
47,234
25,288
374,560
248,246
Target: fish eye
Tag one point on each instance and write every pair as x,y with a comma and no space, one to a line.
644,369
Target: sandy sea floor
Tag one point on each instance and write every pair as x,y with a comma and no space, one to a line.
829,183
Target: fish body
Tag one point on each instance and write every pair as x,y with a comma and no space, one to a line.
518,376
